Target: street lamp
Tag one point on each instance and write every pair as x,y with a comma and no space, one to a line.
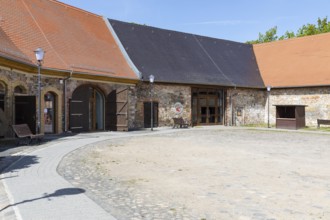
39,52
151,80
268,95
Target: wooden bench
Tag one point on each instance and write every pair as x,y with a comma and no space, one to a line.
180,123
25,135
322,122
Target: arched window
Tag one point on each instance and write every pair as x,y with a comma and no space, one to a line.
19,90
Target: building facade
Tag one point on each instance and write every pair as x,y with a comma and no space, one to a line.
95,75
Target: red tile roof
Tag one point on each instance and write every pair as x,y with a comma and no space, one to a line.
72,38
298,62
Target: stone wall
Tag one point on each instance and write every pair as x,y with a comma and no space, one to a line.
28,85
166,96
316,99
245,107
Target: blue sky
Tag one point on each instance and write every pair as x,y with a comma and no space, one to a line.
237,20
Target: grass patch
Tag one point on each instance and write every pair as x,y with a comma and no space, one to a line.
324,129
258,126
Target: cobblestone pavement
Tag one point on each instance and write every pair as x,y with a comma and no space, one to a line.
206,174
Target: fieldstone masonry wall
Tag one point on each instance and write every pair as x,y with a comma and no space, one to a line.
245,107
28,84
316,99
166,96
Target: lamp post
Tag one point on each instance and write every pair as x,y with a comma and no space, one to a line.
39,52
268,95
151,80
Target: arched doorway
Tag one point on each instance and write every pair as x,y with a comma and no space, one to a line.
50,113
86,109
24,108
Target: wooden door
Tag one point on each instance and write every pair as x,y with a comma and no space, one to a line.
79,110
117,110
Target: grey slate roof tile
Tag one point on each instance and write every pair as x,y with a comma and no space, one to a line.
176,57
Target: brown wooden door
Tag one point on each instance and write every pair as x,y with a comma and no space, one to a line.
79,110
117,110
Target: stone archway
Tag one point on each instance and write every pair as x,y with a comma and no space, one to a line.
51,106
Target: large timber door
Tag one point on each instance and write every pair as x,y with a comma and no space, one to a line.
25,111
117,110
86,110
79,111
207,106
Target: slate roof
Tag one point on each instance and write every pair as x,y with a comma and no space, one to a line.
73,39
298,62
176,57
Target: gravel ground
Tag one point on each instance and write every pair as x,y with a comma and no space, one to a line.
205,173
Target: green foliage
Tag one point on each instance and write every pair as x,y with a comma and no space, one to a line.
287,35
269,36
322,26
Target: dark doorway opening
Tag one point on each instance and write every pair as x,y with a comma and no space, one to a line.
25,111
147,114
2,102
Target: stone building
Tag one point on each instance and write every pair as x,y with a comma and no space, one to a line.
224,82
95,74
210,79
85,78
298,70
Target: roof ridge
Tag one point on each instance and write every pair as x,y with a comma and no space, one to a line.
291,39
176,31
75,8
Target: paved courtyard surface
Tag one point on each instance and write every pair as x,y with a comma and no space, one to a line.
199,173
206,173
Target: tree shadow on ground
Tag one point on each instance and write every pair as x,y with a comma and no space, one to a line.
8,165
57,193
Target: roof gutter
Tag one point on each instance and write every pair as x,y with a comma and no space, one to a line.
300,87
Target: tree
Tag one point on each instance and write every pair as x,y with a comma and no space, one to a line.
322,26
269,36
287,35
306,30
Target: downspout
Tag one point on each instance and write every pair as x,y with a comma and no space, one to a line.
65,103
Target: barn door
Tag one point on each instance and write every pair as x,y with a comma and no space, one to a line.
79,110
116,110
